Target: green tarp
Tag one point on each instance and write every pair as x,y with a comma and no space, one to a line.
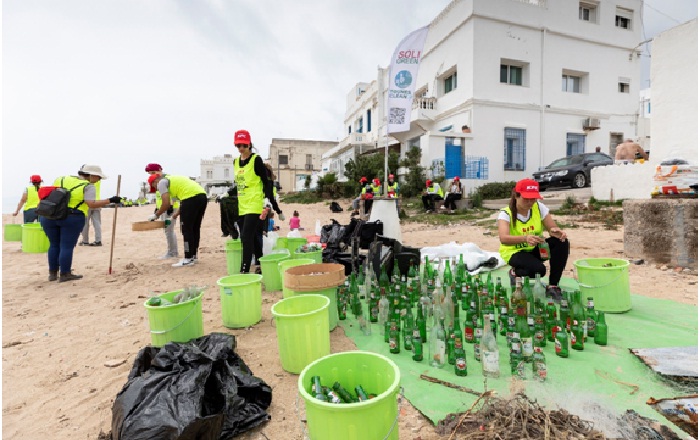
599,383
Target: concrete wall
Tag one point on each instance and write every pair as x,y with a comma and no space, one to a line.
664,231
633,181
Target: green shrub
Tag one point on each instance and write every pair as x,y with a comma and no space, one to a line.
495,190
305,197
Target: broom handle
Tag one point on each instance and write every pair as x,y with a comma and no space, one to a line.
114,225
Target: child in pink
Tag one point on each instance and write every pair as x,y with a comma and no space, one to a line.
295,221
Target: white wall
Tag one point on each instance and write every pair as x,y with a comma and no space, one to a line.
674,91
632,181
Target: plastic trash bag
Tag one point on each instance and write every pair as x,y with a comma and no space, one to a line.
318,227
269,242
294,234
200,390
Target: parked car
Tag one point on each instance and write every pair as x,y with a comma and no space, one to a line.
573,171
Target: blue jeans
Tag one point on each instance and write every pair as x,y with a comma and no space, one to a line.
63,236
30,215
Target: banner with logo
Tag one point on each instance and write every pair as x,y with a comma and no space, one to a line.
403,72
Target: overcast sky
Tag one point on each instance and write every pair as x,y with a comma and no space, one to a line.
124,83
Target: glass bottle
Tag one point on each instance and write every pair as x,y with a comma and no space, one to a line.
576,335
460,357
447,274
470,324
544,250
421,324
317,389
478,334
407,330
540,337
539,291
590,317
383,309
332,396
601,330
343,393
394,338
417,340
539,366
437,344
355,305
342,307
517,362
561,343
361,394
489,351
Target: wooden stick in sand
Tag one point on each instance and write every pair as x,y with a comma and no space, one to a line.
114,226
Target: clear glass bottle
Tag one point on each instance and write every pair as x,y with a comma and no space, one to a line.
489,351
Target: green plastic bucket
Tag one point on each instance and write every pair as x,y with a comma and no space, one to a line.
177,322
269,266
241,299
281,243
317,256
607,281
302,335
34,240
286,264
373,419
332,294
294,243
13,232
234,251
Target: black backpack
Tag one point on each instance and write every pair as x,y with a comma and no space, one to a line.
54,206
335,207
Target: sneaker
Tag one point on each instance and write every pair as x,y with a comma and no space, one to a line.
53,275
554,292
258,271
84,243
195,259
167,257
97,243
184,262
69,277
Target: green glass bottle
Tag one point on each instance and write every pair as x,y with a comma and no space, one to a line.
576,335
407,330
540,336
384,279
355,303
342,306
317,389
447,274
601,330
460,357
420,323
539,366
417,341
465,296
470,324
478,334
343,393
561,343
394,338
332,396
503,321
361,394
517,362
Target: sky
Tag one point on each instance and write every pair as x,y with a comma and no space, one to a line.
124,83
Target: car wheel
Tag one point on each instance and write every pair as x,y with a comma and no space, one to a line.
579,180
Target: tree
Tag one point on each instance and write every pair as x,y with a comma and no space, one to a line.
415,181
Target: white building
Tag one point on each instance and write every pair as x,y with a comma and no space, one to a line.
216,175
535,80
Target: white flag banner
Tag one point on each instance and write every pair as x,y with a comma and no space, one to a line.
402,80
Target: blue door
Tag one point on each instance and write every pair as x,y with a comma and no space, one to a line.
453,158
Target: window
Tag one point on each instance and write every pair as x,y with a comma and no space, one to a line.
369,120
450,83
283,159
514,149
309,162
476,167
358,124
588,12
571,83
226,173
514,72
575,144
623,85
210,175
623,18
349,129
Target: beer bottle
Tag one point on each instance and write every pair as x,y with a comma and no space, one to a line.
355,304
539,367
417,342
517,362
561,343
539,291
478,334
544,250
503,321
373,307
469,324
384,279
317,389
465,295
383,309
565,315
421,324
489,351
361,394
332,396
394,338
437,344
342,305
460,357
601,330
576,335
407,330
590,317
343,393
540,338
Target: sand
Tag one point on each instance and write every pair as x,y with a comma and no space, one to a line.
68,347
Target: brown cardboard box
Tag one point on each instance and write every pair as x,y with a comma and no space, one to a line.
313,277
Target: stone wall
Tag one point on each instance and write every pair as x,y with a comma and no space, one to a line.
663,231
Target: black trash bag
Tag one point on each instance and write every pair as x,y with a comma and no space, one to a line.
200,390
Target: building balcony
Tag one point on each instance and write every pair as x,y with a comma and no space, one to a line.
424,109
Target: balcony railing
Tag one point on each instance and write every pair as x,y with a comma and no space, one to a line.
424,103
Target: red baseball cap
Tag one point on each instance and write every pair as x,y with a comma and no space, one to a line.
153,167
528,189
456,178
428,182
151,178
241,137
376,181
391,176
35,178
363,179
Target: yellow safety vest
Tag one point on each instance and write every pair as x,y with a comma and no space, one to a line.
182,187
431,189
533,226
250,188
32,197
77,196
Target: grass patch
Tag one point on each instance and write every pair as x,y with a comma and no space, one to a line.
306,197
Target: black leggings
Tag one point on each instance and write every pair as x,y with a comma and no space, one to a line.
450,201
528,263
250,226
191,215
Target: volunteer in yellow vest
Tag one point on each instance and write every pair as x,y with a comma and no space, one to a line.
171,214
30,199
63,234
433,192
94,216
392,187
253,185
520,228
193,204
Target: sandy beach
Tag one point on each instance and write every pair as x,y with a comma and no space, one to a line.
67,348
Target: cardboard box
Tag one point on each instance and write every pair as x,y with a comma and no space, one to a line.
147,225
313,277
